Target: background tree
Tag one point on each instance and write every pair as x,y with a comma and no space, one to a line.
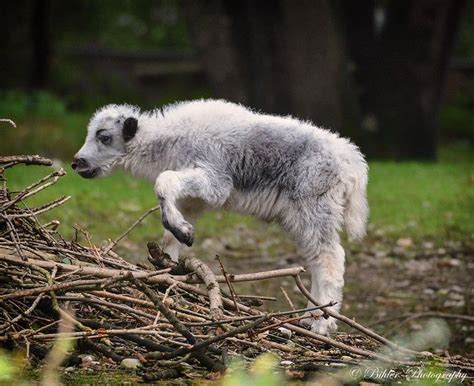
285,57
280,56
400,68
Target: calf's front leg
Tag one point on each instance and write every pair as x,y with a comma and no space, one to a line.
173,186
191,210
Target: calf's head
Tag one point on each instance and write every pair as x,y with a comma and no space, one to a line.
108,133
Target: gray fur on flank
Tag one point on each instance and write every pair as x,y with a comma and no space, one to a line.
215,154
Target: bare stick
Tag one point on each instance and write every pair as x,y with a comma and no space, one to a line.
167,292
122,307
6,120
334,343
273,314
214,339
200,355
55,287
158,258
258,297
160,278
113,243
229,284
209,279
25,159
35,188
42,209
354,324
26,313
14,236
285,294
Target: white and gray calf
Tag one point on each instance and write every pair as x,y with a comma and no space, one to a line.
215,154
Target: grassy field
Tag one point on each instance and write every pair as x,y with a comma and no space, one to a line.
417,200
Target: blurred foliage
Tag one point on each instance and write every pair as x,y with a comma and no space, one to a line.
108,27
457,117
13,368
43,125
20,106
48,125
465,42
262,372
131,25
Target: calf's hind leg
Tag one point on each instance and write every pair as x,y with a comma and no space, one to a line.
315,231
327,283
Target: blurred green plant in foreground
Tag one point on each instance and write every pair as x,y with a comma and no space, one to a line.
262,372
12,368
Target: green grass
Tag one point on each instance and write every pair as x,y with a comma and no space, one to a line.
418,200
106,207
424,199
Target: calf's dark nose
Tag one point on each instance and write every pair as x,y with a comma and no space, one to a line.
80,163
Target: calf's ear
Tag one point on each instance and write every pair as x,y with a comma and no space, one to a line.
130,127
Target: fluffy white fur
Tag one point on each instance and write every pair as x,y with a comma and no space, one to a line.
215,154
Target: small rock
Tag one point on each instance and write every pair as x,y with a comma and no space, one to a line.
347,358
403,283
449,263
427,353
456,288
291,344
429,291
398,251
286,363
455,262
130,363
69,369
443,291
428,245
251,352
455,296
284,331
380,232
379,254
454,303
405,242
87,360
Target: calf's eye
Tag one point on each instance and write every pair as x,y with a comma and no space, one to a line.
104,138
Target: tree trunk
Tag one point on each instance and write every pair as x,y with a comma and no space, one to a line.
279,56
15,43
405,90
288,57
214,27
41,44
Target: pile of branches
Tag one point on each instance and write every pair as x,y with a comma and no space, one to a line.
160,313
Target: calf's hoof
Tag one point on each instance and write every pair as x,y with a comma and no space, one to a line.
184,233
319,324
